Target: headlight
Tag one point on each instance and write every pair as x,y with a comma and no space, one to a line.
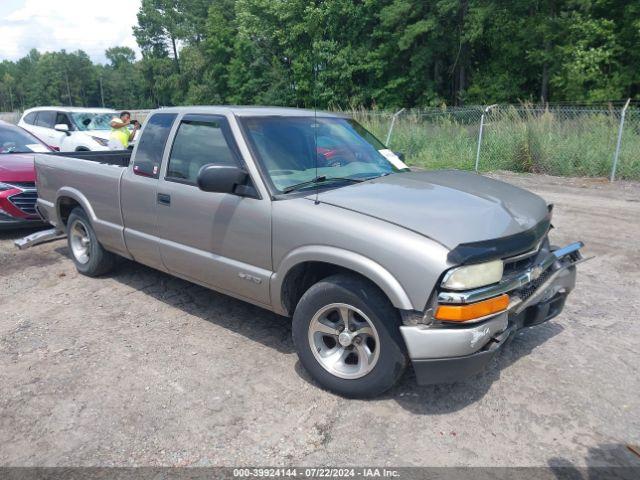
472,276
5,186
101,141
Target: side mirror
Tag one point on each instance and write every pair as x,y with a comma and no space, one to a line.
62,127
400,155
222,179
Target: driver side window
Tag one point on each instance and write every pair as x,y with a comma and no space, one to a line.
199,142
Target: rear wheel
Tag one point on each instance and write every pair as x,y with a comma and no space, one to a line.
347,337
89,256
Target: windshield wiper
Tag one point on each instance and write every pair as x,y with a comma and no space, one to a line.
376,176
319,179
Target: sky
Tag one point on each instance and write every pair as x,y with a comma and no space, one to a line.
51,25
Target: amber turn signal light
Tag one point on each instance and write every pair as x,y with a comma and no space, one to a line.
471,311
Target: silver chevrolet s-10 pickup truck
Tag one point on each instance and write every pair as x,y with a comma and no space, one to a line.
309,215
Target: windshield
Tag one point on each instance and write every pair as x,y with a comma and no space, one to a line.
92,121
286,147
16,140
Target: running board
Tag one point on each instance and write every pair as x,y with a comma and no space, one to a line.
37,238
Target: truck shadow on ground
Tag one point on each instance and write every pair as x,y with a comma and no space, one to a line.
254,323
15,234
274,331
603,461
448,398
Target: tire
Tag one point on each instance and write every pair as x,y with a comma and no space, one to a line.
90,258
377,359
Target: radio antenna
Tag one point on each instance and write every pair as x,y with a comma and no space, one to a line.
315,117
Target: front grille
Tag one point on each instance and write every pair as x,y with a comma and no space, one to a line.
514,267
526,291
25,201
525,261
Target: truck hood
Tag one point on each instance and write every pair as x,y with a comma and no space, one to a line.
17,167
450,207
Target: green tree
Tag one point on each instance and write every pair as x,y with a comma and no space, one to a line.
120,56
339,53
7,86
161,25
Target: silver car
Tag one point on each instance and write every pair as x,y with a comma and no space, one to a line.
308,215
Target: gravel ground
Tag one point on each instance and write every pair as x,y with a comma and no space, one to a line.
139,368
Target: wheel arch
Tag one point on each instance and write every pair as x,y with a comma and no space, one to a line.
307,265
67,199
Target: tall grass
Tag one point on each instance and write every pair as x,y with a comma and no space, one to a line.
569,142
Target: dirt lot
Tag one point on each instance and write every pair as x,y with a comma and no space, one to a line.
140,368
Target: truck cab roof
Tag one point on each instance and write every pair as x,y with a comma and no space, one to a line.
251,111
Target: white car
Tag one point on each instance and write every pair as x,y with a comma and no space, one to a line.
70,129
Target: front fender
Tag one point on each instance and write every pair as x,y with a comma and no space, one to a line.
343,258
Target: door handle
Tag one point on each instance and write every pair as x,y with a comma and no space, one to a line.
164,199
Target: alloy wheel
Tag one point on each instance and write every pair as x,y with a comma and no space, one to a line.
344,341
80,241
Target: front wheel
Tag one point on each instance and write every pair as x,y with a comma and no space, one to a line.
347,337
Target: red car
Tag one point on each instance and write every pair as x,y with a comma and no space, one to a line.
17,177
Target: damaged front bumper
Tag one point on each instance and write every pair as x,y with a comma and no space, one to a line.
445,352
37,238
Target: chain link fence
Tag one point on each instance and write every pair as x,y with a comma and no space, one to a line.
438,138
561,140
568,140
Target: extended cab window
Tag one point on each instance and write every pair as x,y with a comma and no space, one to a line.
200,140
46,119
148,157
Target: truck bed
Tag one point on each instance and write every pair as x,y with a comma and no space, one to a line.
90,179
120,158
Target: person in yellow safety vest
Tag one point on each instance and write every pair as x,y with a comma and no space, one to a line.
120,133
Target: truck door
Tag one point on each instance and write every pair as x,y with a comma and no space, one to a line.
217,239
139,191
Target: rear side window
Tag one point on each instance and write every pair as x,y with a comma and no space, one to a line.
151,145
46,119
200,140
30,118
